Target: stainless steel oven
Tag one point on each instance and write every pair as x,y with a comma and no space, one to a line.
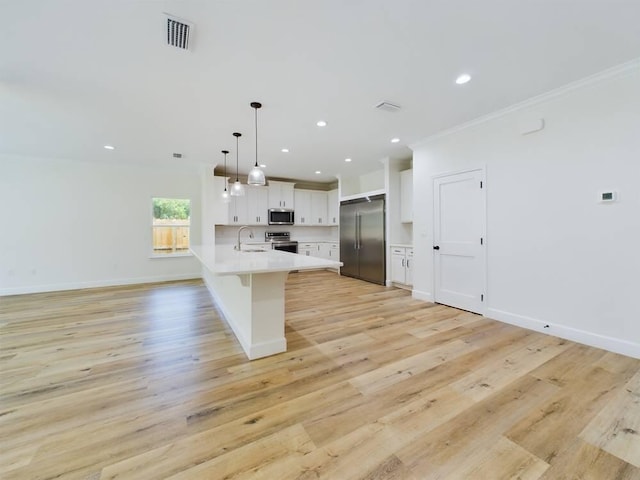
281,241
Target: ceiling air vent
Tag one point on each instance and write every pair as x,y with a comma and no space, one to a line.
388,107
179,32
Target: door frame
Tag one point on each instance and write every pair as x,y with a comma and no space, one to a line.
483,176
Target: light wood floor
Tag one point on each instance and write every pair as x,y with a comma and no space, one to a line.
147,382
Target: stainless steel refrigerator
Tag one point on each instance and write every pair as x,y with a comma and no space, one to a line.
362,247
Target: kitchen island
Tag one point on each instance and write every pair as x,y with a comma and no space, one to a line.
248,286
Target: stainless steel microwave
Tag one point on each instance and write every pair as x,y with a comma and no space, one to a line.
280,216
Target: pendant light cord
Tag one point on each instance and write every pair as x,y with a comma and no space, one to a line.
237,135
224,152
256,124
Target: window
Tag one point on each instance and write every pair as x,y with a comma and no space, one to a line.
170,227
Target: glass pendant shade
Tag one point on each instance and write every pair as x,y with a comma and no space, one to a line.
226,198
256,175
237,189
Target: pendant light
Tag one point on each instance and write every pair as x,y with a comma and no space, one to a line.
225,195
256,175
237,189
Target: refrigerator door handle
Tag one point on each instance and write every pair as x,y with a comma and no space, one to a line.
359,229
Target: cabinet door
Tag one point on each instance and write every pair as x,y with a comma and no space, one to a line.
238,210
333,208
398,265
274,195
334,252
286,195
319,208
324,250
303,207
280,194
257,198
406,196
409,267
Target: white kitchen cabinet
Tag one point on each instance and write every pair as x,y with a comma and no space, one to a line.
333,208
334,251
302,201
281,195
319,208
238,211
329,251
406,196
257,212
311,207
402,265
310,249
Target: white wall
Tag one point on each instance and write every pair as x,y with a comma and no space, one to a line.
82,224
554,254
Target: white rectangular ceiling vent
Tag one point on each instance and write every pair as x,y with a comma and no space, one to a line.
179,32
388,107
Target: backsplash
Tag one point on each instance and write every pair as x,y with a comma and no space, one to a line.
226,235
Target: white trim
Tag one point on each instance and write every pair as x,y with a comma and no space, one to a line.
171,255
584,82
363,195
96,284
424,296
611,344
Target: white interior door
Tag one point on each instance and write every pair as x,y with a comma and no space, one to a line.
459,245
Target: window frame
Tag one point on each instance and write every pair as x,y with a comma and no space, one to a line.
173,254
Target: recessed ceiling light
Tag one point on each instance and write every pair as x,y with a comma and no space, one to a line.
109,147
395,140
321,123
462,79
318,172
347,159
285,150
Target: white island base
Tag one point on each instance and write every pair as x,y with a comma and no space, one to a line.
249,289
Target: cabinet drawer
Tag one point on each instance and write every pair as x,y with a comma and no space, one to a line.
397,251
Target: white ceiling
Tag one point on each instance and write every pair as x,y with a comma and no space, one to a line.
78,74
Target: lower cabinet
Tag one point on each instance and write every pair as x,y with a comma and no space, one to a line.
402,265
327,250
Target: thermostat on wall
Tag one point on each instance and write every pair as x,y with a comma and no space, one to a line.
606,197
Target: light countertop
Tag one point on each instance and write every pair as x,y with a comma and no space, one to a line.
401,245
224,260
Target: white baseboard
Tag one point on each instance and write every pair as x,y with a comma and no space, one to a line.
424,296
611,344
95,284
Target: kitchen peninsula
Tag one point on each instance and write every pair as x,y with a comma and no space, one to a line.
248,286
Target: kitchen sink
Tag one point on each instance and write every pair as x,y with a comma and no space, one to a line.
252,250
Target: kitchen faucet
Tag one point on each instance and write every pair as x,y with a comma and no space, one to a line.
237,247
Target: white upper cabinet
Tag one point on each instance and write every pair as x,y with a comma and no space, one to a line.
319,208
333,208
281,194
406,196
238,210
311,207
302,201
257,198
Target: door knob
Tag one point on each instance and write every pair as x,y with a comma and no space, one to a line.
436,247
